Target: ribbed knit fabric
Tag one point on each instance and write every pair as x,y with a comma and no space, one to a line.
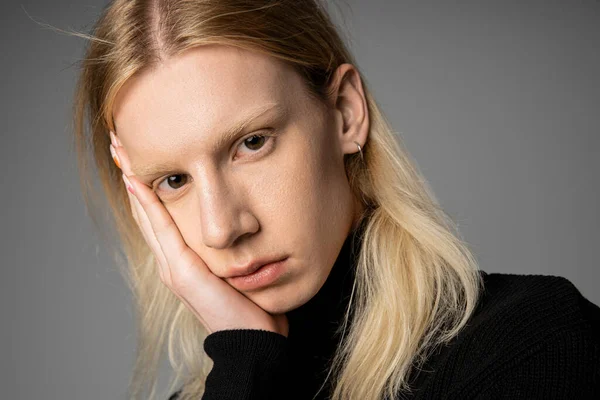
264,361
531,337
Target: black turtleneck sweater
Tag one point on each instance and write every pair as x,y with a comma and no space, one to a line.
531,337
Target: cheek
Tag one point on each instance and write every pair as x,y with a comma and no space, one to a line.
292,185
187,219
306,190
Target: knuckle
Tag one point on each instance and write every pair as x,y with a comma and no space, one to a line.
181,280
164,228
178,282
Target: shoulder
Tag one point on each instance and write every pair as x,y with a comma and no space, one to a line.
529,333
519,306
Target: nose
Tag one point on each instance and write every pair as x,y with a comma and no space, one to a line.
223,214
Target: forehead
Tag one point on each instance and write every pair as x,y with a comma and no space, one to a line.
200,91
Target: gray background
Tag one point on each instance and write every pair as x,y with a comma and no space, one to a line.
497,101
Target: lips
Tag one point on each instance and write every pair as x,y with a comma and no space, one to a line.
263,277
252,266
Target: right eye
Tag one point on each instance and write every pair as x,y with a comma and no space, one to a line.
175,182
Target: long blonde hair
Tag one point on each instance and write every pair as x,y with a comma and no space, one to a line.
417,283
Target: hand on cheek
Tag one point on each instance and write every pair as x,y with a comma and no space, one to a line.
214,302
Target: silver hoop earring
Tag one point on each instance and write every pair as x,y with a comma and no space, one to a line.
360,150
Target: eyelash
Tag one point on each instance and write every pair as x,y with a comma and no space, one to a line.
270,138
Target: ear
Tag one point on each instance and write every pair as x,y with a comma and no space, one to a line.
350,108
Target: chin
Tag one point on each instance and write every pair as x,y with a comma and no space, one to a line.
280,300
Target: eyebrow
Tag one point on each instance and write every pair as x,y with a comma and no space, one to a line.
226,136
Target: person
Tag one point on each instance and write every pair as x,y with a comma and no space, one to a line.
278,238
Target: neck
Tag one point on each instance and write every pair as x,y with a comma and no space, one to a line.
315,327
332,299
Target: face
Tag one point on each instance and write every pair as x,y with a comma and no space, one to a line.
275,187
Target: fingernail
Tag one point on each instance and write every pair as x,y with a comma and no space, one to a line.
114,155
128,184
113,139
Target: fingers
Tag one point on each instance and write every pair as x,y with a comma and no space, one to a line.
119,156
181,260
149,236
122,161
178,262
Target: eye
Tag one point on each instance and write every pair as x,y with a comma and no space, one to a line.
257,143
174,182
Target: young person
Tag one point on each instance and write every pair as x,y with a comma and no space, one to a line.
278,237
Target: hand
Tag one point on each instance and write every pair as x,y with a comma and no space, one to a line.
215,303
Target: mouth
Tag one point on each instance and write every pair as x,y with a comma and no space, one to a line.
253,266
261,277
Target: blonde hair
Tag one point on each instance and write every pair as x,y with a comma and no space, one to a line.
417,283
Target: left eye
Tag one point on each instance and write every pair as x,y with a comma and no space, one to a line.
254,143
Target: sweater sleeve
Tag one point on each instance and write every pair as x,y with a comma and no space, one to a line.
248,364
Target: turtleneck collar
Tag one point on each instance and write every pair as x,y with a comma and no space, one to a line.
313,336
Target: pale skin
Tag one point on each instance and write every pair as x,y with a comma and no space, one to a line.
239,201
